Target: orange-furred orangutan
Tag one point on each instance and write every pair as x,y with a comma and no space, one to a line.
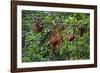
55,37
37,26
52,39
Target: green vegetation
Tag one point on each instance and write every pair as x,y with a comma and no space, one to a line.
36,46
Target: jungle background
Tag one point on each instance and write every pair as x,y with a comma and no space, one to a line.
36,45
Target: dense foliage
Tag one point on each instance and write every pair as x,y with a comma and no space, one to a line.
36,45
